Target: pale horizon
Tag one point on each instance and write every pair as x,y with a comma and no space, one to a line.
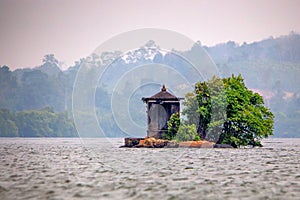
72,30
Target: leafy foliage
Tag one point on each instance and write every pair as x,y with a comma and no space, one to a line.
186,132
179,130
248,120
36,123
211,107
173,126
8,126
230,113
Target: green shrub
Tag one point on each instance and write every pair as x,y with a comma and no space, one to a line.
173,125
186,133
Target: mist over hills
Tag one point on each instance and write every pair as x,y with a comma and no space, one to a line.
270,67
263,64
282,49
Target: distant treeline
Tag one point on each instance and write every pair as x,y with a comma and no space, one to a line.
36,123
270,66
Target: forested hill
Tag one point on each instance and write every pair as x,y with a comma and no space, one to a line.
282,49
273,62
270,67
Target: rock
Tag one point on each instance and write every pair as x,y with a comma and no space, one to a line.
223,146
150,142
172,144
196,144
131,142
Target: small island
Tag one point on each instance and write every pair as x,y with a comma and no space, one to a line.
221,113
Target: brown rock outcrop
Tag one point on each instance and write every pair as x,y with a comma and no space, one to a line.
150,142
196,144
131,142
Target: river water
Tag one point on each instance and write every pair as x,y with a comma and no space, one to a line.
72,168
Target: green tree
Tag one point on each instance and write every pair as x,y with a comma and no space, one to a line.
8,127
173,126
211,108
50,59
191,105
186,132
8,88
230,113
180,130
44,123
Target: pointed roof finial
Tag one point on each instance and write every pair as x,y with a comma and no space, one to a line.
163,89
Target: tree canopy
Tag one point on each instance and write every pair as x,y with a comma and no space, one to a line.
229,113
179,130
36,123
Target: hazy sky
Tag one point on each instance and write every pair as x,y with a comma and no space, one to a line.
72,29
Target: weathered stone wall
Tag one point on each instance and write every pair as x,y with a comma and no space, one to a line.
158,117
